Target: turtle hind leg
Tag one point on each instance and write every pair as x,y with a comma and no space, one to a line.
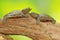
4,20
53,22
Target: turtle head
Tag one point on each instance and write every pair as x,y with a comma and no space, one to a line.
26,10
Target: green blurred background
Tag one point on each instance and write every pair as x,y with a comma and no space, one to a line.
50,7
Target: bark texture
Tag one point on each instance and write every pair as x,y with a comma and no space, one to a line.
28,27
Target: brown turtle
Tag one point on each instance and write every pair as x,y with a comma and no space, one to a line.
42,18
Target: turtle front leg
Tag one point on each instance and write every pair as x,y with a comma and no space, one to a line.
38,20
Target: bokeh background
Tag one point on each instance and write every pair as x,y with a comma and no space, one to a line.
50,7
